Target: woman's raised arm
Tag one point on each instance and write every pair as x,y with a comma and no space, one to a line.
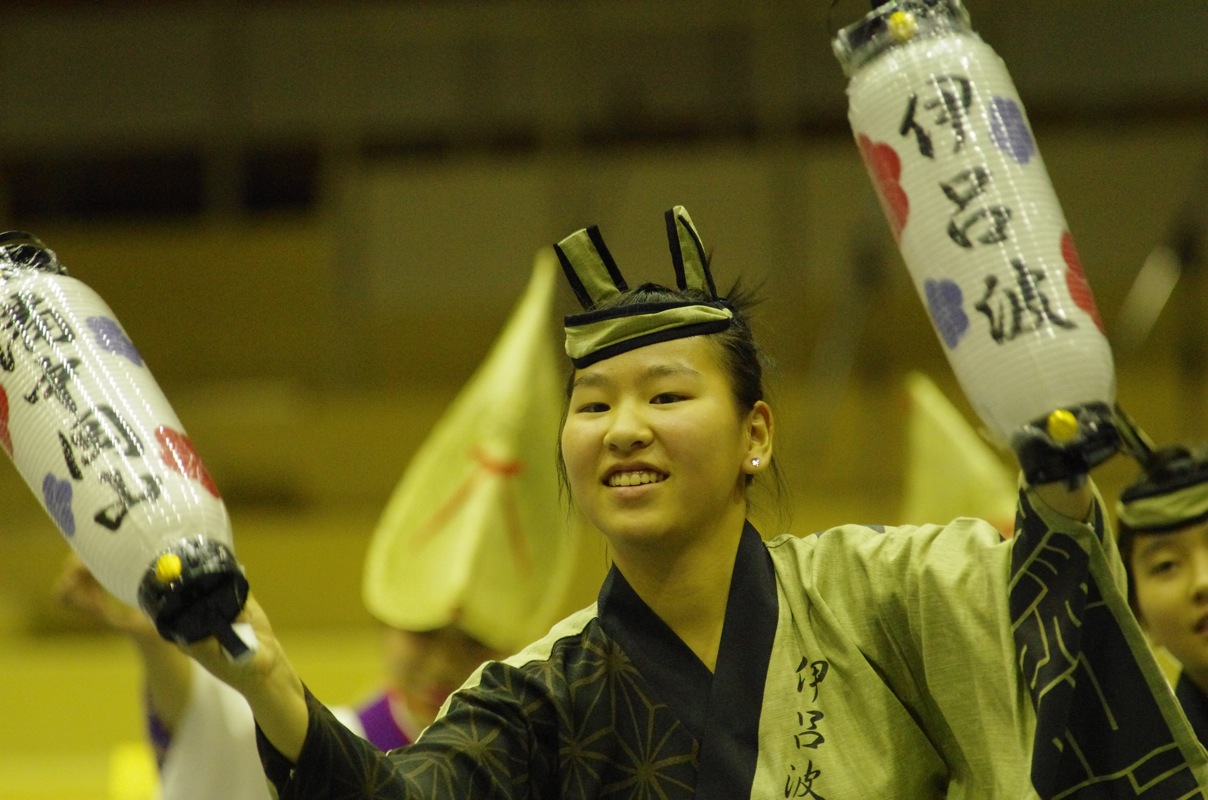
266,680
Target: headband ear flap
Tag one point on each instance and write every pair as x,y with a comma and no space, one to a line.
688,254
590,269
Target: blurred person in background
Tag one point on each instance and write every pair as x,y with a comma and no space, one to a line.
1163,536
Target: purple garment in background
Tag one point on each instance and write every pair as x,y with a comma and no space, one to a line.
380,728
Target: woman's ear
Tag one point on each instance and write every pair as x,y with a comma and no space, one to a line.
760,429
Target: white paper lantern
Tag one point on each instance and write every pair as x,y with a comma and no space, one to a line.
94,437
948,145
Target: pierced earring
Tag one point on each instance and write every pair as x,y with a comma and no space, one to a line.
754,462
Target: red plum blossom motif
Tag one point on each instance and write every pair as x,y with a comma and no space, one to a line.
885,167
178,454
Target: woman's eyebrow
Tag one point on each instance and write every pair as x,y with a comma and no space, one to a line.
591,380
665,370
597,379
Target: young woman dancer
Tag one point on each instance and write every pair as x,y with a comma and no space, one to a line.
938,661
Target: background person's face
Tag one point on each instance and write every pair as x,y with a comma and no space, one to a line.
1170,579
424,667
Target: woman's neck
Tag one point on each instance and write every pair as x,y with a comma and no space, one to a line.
687,587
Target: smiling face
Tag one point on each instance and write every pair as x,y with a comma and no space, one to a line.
1170,582
655,447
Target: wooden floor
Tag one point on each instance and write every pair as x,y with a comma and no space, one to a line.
71,691
73,716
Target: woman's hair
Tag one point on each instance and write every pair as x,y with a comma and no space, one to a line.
740,356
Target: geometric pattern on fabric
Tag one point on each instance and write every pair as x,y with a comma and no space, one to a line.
581,724
1097,736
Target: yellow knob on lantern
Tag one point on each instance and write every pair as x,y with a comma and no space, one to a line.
167,568
902,26
1062,425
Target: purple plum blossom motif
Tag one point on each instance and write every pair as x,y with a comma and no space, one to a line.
1009,130
112,338
56,496
944,303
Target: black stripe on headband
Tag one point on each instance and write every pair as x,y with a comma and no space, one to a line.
572,278
682,332
603,258
610,264
677,253
633,310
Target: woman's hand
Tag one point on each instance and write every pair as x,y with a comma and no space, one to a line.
1072,502
266,680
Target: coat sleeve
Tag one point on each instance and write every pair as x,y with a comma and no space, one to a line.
927,608
1017,654
487,744
1105,715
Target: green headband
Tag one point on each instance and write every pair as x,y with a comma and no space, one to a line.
598,334
1167,502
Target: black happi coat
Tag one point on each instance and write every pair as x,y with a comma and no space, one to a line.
931,662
